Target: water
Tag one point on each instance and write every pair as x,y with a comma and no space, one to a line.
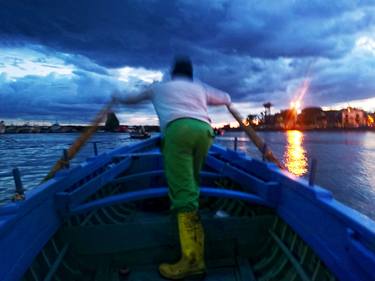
346,160
35,154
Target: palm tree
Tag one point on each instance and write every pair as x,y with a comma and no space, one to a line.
250,118
267,107
267,112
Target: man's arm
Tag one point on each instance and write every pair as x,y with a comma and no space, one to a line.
120,97
217,97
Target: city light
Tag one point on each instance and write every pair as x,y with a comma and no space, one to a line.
255,122
301,92
370,121
296,105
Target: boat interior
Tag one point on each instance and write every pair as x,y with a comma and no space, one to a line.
244,239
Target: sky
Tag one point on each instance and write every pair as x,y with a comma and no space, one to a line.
61,60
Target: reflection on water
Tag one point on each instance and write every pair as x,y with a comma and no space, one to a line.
295,156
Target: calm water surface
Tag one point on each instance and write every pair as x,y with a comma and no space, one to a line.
346,160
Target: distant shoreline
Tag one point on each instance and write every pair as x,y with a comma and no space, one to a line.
66,129
238,129
306,130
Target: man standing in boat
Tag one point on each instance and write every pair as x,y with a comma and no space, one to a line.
181,105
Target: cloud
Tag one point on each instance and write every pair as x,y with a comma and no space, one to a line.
74,98
146,34
20,62
257,51
349,78
147,76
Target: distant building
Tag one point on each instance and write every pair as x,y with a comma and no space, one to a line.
286,119
313,117
334,118
226,127
279,121
353,118
122,129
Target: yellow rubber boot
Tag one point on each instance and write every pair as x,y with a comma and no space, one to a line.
192,249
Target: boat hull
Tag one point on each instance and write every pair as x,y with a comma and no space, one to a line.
314,234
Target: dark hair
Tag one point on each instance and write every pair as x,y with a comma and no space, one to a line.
182,67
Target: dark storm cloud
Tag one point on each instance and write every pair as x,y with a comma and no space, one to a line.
148,33
56,97
255,50
350,78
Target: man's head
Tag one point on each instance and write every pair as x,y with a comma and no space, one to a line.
182,67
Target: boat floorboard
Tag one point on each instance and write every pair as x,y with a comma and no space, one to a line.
218,272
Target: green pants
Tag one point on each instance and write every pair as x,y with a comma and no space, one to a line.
185,148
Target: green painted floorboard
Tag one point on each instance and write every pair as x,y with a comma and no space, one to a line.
151,274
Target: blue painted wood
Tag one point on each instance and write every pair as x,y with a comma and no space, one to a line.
359,253
66,159
25,239
312,172
18,181
313,215
95,146
139,154
47,189
163,192
158,173
252,166
98,182
269,191
56,263
311,211
25,227
296,264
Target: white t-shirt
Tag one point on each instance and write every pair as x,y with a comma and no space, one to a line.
180,98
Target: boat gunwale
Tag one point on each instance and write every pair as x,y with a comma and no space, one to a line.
346,219
343,217
72,175
42,200
315,193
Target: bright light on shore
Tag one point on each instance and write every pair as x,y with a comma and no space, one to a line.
296,105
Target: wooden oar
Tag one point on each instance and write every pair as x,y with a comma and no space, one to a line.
80,141
259,142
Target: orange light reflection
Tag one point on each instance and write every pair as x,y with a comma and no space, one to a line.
295,156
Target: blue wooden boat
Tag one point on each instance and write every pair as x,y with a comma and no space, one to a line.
261,223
